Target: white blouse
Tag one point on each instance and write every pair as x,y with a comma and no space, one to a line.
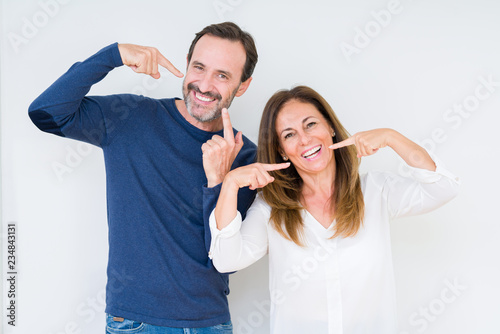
341,285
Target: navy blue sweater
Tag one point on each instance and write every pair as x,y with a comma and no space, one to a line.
157,200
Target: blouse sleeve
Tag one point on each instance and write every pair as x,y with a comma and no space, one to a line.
241,243
420,192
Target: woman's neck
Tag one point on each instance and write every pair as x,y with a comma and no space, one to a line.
318,185
316,196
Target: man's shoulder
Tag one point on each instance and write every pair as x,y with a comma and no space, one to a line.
247,154
133,101
167,102
248,143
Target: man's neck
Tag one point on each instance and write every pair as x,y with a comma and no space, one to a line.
212,126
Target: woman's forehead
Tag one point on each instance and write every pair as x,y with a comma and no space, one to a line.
294,112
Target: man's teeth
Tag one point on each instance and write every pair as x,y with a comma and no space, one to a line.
311,151
203,98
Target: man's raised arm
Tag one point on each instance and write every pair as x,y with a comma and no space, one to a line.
63,109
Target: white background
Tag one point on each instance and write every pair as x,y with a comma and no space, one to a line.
408,70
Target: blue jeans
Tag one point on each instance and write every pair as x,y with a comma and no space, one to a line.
132,327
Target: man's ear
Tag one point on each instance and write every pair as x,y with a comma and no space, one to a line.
243,87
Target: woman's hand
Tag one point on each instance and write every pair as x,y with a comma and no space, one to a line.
367,142
253,176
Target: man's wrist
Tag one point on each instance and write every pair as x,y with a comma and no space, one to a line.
212,182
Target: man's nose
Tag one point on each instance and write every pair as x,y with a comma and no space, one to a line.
205,84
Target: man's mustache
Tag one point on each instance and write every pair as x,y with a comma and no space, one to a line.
192,86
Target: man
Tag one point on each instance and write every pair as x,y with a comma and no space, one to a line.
158,195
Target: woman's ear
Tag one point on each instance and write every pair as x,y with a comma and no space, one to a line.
283,155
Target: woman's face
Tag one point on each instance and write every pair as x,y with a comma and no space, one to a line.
304,135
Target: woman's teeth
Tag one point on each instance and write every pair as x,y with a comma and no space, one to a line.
311,152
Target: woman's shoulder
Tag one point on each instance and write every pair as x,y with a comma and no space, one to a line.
375,177
260,204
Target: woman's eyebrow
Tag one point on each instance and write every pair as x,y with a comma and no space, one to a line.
303,121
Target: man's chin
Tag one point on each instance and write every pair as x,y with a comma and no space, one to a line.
205,116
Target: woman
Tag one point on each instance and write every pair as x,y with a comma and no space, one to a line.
325,228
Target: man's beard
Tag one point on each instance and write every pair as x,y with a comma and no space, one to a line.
208,114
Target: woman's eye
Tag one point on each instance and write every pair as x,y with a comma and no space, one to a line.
288,135
310,125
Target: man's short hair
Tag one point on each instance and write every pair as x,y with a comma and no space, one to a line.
230,31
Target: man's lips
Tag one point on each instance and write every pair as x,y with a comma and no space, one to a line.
202,97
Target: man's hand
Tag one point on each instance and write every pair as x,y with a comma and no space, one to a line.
219,153
145,59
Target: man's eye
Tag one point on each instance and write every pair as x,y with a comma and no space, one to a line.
199,68
223,76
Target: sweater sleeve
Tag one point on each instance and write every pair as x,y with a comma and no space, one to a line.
420,192
210,197
64,110
241,243
245,195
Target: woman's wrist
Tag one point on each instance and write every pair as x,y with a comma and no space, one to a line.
230,183
392,137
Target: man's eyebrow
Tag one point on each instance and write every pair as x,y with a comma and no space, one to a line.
195,62
226,73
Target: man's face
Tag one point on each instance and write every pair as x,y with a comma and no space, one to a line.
213,77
